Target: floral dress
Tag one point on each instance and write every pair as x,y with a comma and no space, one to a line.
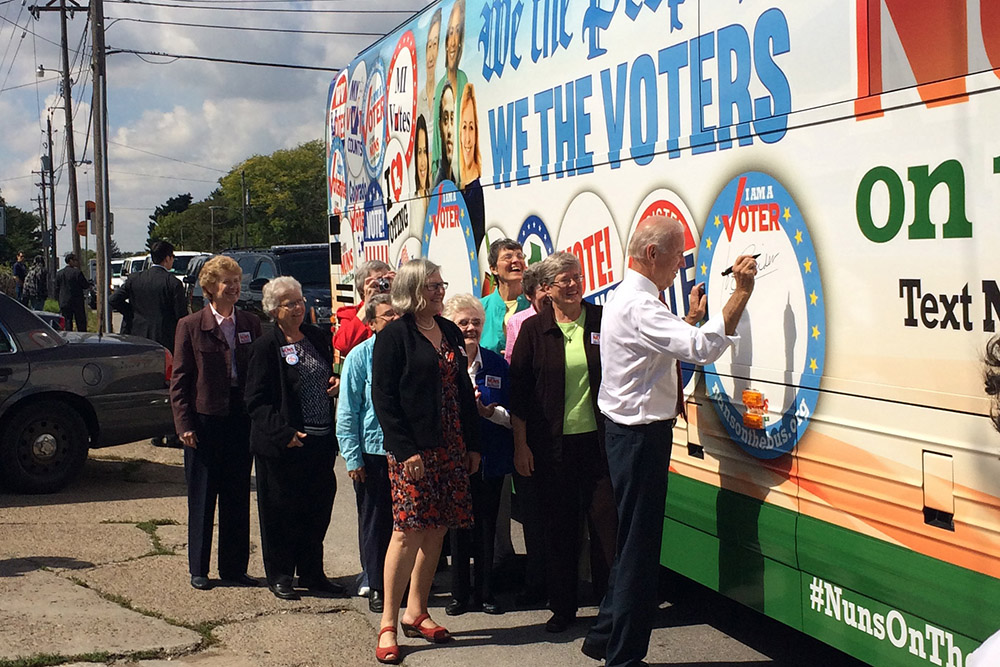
441,498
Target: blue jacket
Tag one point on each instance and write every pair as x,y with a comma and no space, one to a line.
495,441
494,336
358,429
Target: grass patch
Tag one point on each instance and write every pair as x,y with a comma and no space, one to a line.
102,657
149,527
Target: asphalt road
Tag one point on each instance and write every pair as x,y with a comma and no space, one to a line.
98,573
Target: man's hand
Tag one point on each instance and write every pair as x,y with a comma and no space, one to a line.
697,305
189,439
744,271
296,440
357,475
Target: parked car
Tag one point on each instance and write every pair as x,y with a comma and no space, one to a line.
192,290
132,264
54,320
307,263
116,272
64,393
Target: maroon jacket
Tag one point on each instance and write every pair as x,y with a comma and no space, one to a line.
203,363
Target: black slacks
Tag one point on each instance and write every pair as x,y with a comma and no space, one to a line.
578,486
75,313
295,494
638,457
529,505
374,499
476,543
218,470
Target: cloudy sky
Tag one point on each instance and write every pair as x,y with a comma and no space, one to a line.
176,125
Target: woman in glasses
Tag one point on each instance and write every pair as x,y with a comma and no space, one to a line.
426,406
290,390
555,373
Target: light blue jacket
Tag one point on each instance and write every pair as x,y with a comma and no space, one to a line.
494,336
358,429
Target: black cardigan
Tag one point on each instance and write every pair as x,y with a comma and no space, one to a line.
406,388
538,379
272,393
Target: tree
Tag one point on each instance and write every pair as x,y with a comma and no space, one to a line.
23,234
114,250
175,204
192,228
287,195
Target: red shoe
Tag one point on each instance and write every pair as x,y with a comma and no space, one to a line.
437,635
388,655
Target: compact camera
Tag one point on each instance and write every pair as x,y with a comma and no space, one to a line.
382,285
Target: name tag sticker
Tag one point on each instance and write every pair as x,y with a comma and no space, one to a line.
287,350
595,338
243,337
492,381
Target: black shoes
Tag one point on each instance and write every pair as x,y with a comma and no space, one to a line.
559,623
201,583
284,591
242,580
375,601
492,607
530,598
593,649
456,607
324,585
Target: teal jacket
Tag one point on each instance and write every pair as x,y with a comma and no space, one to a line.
358,429
494,332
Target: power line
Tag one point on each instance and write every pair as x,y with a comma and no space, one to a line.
167,157
170,178
25,85
33,34
233,61
263,9
252,29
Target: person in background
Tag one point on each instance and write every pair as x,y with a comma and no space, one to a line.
642,346
211,352
360,438
471,162
20,271
36,284
71,286
488,373
290,390
555,373
370,278
427,408
535,296
153,298
506,262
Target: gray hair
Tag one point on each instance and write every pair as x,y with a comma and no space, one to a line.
365,269
460,302
556,263
372,303
654,233
408,287
531,279
276,287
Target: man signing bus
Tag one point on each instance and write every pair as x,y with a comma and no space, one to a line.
642,343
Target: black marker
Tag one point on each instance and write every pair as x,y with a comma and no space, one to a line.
730,269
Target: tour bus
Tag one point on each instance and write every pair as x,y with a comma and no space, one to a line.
838,469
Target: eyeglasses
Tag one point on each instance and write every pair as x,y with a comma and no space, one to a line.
291,305
436,287
569,280
388,317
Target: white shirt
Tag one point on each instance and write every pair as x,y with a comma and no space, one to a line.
500,414
228,326
641,341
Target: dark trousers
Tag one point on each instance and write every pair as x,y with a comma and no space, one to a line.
476,543
295,498
374,498
578,486
638,457
529,505
74,313
218,470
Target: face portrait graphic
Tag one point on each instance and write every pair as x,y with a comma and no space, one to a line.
431,55
468,136
423,171
447,116
454,37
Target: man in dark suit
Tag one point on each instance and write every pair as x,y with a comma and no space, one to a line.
153,298
70,287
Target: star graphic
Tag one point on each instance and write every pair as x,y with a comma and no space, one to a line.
813,298
468,232
812,365
708,243
717,223
788,214
427,237
472,255
808,265
815,333
798,236
704,270
461,213
715,389
475,281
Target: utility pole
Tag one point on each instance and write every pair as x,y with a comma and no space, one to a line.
212,242
102,214
67,92
52,198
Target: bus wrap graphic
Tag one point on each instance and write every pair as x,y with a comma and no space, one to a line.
782,333
448,238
